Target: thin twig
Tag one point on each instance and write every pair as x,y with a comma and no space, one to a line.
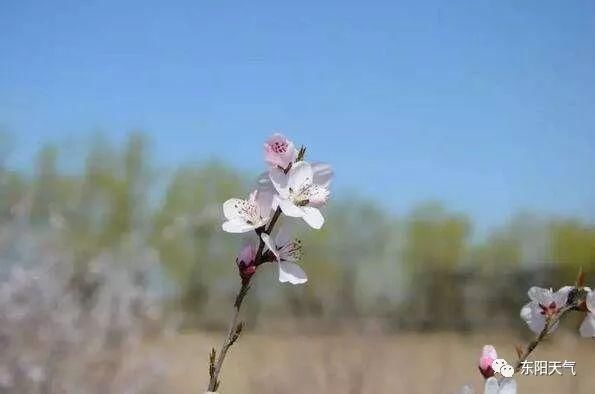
233,334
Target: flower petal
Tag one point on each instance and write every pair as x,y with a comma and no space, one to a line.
318,196
292,273
232,208
279,180
323,174
283,236
268,242
540,295
290,209
264,200
491,386
561,296
299,174
508,386
313,217
591,301
236,225
587,328
534,319
526,311
279,151
488,355
467,390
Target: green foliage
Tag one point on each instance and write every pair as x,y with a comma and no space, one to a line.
435,238
573,244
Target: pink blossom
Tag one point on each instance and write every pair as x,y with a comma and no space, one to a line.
246,261
279,151
488,355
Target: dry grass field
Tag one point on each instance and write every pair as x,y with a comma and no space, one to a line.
347,363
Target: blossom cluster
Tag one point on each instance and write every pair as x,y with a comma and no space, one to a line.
291,186
547,304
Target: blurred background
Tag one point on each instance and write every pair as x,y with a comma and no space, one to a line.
463,141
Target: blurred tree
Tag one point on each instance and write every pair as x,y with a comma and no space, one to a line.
573,245
435,243
46,183
111,199
501,249
435,238
13,189
187,230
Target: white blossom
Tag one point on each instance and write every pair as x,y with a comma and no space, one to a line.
301,191
544,303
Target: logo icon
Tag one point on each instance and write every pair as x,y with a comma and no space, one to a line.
502,367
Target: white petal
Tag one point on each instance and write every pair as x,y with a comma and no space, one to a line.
565,289
561,296
292,273
508,386
587,328
283,236
279,180
299,174
313,217
231,208
264,200
526,311
236,226
591,301
530,313
540,295
467,390
290,209
264,182
491,386
317,196
323,174
267,241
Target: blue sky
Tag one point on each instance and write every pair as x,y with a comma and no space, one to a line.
488,106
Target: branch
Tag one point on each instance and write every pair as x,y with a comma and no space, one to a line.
235,328
550,324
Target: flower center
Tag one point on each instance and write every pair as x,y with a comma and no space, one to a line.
249,211
292,249
279,147
309,193
549,310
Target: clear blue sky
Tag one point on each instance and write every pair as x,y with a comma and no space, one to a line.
488,106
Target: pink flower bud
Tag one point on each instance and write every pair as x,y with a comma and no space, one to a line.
246,263
279,151
488,355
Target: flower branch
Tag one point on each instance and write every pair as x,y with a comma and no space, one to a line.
550,325
547,309
543,315
292,187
